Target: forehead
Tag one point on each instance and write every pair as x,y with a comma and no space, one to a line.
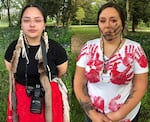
109,12
32,12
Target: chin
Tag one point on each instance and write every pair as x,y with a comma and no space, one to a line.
108,37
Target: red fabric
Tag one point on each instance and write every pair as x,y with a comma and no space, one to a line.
23,106
57,104
9,112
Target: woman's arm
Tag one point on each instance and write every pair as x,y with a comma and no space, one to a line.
62,68
138,90
81,92
8,65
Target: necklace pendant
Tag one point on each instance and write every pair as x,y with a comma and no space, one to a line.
104,70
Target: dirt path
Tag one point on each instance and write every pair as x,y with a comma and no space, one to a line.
78,41
76,44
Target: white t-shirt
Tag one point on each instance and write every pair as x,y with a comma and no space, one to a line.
108,91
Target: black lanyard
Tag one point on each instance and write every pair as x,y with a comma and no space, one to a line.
44,54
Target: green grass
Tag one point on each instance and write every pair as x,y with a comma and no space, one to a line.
3,24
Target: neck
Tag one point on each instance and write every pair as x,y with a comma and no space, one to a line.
33,41
114,41
109,48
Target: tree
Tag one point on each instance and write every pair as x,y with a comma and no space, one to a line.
66,13
136,10
58,9
139,10
80,14
6,4
13,8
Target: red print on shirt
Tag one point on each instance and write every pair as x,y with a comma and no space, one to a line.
125,76
113,105
140,57
128,54
83,52
118,77
94,64
126,120
99,103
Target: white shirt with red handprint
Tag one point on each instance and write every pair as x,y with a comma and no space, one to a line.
108,91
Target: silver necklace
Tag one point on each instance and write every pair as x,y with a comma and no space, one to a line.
107,60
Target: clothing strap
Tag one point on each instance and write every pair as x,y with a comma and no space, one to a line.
44,54
61,85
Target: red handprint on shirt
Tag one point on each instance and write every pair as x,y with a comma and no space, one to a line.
83,52
113,105
126,120
95,65
98,102
129,49
140,57
123,77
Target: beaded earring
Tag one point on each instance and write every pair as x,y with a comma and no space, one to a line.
45,36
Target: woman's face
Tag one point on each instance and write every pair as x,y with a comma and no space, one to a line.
110,24
32,23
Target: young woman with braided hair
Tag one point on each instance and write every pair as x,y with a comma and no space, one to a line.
24,61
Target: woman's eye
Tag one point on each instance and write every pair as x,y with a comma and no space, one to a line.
114,20
26,20
102,21
38,21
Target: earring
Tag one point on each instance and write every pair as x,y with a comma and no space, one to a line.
45,36
21,35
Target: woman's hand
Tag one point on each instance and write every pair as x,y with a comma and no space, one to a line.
114,116
98,117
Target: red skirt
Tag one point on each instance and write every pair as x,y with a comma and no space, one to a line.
23,106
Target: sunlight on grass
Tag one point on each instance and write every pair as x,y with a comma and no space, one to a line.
2,24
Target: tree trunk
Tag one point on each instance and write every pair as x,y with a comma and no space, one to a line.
8,13
133,24
128,18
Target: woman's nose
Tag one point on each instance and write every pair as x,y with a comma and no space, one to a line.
107,23
32,22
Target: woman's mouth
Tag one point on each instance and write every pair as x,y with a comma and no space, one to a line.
32,31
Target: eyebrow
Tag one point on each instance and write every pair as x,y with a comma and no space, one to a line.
26,17
110,17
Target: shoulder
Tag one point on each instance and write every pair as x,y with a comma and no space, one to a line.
94,41
131,42
9,50
53,42
13,44
57,51
56,47
91,44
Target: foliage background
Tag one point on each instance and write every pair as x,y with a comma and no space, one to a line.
64,13
63,36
